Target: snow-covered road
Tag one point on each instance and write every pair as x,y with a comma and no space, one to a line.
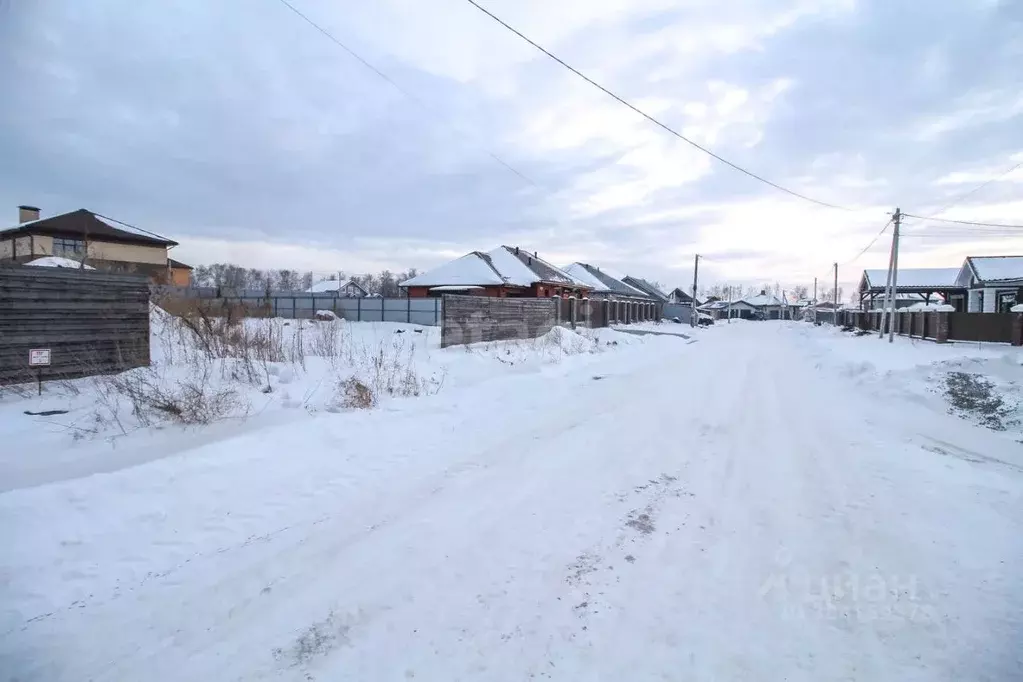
730,509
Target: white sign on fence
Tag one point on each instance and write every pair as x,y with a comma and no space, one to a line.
39,357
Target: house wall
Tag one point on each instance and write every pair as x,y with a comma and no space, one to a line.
180,277
128,253
6,249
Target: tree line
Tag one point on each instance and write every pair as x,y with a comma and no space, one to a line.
228,275
799,292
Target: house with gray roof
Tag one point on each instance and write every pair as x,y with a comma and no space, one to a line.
992,283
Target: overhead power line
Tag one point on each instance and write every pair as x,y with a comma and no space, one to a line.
390,80
650,118
962,222
872,242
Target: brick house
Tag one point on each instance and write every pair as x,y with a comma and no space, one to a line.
506,271
98,241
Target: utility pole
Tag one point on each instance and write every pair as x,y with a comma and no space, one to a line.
729,304
815,301
895,274
696,271
888,294
834,319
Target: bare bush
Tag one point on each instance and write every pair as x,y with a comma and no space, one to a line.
352,394
154,398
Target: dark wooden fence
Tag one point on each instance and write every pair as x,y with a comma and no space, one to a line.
93,322
996,327
473,319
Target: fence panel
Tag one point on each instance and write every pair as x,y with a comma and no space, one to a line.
992,327
473,319
93,322
683,311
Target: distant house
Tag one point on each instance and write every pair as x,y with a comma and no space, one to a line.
84,236
992,283
180,274
503,272
913,285
647,288
350,289
679,296
605,284
768,305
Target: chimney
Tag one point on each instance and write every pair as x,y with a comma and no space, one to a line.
27,214
516,250
534,255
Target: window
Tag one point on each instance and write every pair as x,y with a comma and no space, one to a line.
72,248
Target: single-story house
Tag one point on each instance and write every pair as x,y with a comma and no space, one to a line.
935,285
611,287
503,272
350,289
96,240
992,283
652,292
768,305
679,296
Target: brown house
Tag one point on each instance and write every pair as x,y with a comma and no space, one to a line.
506,271
98,241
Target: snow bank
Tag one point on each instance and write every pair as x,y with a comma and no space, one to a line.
58,262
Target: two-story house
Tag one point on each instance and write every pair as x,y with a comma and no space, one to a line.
96,240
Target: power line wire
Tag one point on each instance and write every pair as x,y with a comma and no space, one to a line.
648,117
973,191
387,78
872,242
961,222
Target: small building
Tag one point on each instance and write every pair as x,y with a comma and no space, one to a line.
767,305
503,272
87,237
678,296
934,285
180,274
992,283
349,289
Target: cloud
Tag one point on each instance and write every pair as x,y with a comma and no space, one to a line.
247,135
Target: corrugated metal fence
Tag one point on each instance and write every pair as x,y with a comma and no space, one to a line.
92,322
424,311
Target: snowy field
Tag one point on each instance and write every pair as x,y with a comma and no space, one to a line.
769,501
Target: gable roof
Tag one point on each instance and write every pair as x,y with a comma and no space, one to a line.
761,300
541,269
996,268
579,273
503,266
614,284
84,223
178,264
912,278
682,297
646,287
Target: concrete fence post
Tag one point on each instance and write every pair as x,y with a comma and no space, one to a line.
573,310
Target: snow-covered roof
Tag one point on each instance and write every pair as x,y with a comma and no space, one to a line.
914,278
514,271
472,268
995,268
762,300
58,262
579,273
503,266
324,286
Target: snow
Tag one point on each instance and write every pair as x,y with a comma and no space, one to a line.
916,277
456,287
994,268
928,307
1018,308
325,315
327,285
471,268
762,300
511,268
58,262
580,274
772,501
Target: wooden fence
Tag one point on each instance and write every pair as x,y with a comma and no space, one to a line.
92,322
944,326
473,319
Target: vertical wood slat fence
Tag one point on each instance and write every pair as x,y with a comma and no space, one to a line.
93,322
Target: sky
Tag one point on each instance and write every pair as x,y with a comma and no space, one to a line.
245,134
